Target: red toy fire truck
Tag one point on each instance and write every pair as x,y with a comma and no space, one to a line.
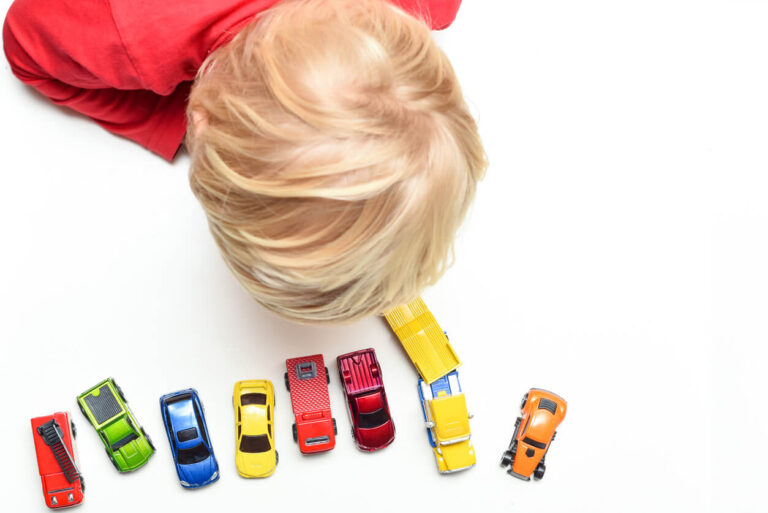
63,486
360,374
307,380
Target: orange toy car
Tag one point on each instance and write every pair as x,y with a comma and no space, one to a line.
543,411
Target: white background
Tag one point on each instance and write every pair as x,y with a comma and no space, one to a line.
616,254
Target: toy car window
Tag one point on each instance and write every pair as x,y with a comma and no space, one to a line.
255,443
247,399
185,435
168,420
200,422
547,404
269,417
194,455
372,420
534,443
124,441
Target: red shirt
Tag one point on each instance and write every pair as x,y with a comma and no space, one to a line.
129,64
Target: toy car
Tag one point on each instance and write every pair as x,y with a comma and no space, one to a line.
187,432
372,426
445,413
543,411
423,340
54,435
254,402
307,380
125,441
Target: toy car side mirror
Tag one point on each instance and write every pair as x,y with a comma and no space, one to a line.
429,424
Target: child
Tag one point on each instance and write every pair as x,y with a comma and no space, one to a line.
330,144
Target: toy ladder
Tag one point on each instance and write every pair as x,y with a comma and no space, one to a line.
51,433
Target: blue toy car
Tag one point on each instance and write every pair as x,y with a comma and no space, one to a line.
188,435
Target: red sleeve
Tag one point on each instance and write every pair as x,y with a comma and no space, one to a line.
438,14
72,52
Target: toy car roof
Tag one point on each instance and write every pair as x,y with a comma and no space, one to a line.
360,372
308,382
423,340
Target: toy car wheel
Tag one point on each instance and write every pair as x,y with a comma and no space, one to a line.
287,382
539,472
327,376
149,440
277,457
73,428
119,391
82,484
82,410
114,463
334,427
525,399
295,434
506,459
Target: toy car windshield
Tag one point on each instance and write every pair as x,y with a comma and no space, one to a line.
372,420
255,443
247,399
194,455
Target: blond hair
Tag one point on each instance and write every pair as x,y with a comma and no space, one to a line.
337,159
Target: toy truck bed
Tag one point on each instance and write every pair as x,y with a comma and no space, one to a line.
360,372
423,340
307,380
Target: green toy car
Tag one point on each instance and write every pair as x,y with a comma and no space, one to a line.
125,441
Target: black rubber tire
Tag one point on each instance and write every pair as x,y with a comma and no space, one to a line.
525,398
73,428
335,431
277,458
539,472
295,434
506,459
114,463
327,376
82,484
82,410
287,382
120,391
149,440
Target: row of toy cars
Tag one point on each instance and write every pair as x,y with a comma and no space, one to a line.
129,447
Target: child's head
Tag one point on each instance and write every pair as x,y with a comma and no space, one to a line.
335,158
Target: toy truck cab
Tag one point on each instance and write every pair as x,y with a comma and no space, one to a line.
190,443
372,425
447,419
63,485
307,380
542,413
125,441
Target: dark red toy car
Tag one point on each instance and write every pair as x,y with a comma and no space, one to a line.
372,426
307,380
63,486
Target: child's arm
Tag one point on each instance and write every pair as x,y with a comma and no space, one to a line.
71,51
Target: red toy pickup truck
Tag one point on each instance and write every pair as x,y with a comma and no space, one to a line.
307,380
63,486
372,425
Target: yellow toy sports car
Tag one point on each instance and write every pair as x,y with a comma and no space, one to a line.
254,402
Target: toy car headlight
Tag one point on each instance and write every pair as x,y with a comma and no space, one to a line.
184,483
